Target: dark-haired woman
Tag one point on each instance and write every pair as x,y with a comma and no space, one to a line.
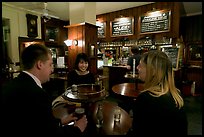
80,74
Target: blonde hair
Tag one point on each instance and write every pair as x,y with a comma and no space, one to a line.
159,76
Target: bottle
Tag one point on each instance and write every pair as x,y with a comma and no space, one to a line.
193,88
7,68
74,89
117,114
99,116
99,83
14,66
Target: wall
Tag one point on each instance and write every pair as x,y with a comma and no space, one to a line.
18,28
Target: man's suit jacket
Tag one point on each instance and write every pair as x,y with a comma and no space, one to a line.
27,110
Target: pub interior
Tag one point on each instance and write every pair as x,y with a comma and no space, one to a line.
107,41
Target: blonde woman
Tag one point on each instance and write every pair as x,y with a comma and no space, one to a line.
159,108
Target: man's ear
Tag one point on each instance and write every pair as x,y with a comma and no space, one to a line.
39,64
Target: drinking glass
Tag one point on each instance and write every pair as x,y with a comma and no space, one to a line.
117,114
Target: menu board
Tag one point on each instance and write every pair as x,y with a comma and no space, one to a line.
101,29
173,54
155,22
122,26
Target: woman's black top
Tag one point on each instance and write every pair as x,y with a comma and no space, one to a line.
158,116
74,78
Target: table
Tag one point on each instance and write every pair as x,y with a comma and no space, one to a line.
127,89
109,127
135,78
86,93
127,94
102,77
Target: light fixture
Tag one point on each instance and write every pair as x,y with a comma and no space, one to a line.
92,50
75,42
68,42
154,13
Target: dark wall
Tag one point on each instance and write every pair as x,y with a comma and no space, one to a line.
191,28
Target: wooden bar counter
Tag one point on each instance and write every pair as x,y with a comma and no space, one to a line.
115,75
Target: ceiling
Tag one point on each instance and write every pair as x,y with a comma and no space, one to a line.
60,10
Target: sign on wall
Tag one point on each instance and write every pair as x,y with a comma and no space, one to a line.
101,29
155,22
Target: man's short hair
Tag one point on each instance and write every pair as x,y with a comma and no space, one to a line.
135,49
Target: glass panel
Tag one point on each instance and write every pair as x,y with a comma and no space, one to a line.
195,52
51,34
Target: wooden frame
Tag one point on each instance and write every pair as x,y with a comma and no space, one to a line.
194,53
51,34
173,53
101,30
23,42
32,27
157,23
5,33
122,26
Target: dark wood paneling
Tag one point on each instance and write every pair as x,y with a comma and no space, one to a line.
138,11
191,28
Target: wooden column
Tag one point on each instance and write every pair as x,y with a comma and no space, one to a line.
86,35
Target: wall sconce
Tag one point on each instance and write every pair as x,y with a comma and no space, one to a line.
71,42
92,49
68,42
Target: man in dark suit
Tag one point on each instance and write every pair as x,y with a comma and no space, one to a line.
26,107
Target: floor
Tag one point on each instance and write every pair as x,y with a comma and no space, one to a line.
193,107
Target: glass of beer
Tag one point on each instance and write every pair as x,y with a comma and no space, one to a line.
79,112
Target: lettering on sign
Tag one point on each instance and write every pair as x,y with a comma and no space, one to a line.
122,27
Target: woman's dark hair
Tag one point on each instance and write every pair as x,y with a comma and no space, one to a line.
81,56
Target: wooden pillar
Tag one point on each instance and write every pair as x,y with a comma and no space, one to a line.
82,29
86,35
